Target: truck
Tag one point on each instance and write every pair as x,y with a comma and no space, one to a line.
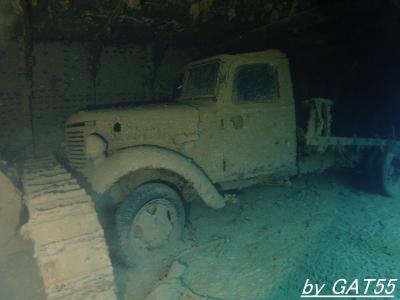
234,121
233,125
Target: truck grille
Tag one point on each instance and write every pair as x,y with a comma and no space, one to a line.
75,144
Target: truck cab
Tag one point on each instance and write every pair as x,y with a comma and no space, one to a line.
246,115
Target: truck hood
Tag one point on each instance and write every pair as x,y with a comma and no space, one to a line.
169,124
144,111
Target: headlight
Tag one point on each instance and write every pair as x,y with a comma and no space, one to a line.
96,146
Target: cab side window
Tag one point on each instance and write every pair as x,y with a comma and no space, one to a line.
256,83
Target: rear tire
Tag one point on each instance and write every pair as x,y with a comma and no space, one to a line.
390,172
152,217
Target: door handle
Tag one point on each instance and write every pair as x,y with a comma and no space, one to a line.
237,122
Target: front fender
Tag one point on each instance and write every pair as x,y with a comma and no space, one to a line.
147,157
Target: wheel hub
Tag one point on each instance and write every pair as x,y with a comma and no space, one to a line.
154,225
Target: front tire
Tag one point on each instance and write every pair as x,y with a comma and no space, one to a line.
152,217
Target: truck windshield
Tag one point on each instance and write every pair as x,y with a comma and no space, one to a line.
201,80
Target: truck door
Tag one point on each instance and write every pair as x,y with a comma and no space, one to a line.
259,122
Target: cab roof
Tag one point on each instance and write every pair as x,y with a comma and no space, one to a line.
267,54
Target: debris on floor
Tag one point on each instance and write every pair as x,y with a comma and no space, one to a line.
10,209
19,275
173,287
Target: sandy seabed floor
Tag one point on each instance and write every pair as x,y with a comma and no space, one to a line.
264,246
